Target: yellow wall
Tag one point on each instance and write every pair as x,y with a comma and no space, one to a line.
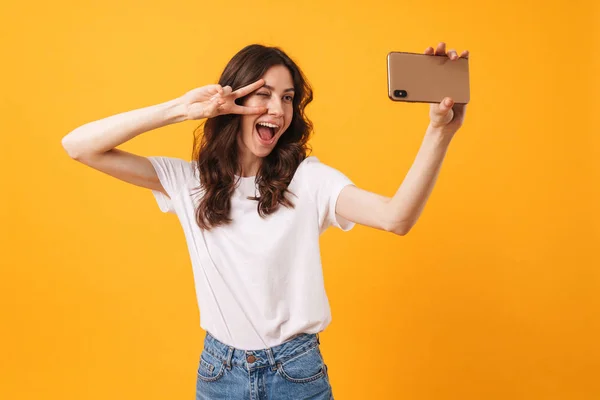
493,295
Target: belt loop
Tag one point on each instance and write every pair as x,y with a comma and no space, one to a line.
271,358
229,357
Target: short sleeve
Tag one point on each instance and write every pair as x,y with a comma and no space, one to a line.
173,174
325,184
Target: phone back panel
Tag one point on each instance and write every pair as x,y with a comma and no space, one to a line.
427,78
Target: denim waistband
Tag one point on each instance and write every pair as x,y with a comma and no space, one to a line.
252,359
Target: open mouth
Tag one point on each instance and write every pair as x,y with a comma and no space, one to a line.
266,132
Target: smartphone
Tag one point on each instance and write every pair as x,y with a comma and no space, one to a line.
424,78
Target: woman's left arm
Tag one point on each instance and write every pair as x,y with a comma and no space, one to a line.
400,213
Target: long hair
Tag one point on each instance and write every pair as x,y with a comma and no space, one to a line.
216,150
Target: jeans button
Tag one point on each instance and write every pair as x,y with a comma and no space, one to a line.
250,358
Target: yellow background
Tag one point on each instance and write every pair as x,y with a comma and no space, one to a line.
493,295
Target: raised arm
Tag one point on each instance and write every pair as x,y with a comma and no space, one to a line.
399,213
94,143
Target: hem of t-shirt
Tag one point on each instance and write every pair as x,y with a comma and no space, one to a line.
337,220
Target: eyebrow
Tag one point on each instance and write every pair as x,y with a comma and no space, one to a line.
272,88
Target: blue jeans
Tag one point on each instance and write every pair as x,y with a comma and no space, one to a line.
292,370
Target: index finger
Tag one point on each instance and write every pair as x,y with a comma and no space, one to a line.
244,110
241,92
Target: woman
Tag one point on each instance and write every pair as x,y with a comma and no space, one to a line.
252,204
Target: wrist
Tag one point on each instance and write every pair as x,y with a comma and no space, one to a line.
439,135
175,111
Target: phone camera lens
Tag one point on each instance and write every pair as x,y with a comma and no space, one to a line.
400,93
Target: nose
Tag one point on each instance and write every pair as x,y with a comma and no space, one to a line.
275,107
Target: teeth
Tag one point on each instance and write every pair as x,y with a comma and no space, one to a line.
268,125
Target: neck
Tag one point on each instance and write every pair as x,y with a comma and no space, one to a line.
249,164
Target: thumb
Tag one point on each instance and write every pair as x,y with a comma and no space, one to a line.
441,114
446,105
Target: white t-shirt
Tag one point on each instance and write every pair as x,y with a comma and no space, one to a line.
258,281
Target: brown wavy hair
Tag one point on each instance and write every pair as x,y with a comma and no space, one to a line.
216,150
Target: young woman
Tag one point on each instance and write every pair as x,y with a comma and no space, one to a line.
252,205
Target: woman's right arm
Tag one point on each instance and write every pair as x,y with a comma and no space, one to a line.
94,144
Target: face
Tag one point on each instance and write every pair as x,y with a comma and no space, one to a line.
260,133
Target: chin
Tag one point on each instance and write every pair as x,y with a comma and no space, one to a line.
261,153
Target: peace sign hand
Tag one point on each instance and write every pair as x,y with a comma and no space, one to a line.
213,100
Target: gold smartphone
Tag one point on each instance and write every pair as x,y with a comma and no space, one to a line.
424,78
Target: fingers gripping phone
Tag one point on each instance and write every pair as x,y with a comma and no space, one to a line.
424,78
